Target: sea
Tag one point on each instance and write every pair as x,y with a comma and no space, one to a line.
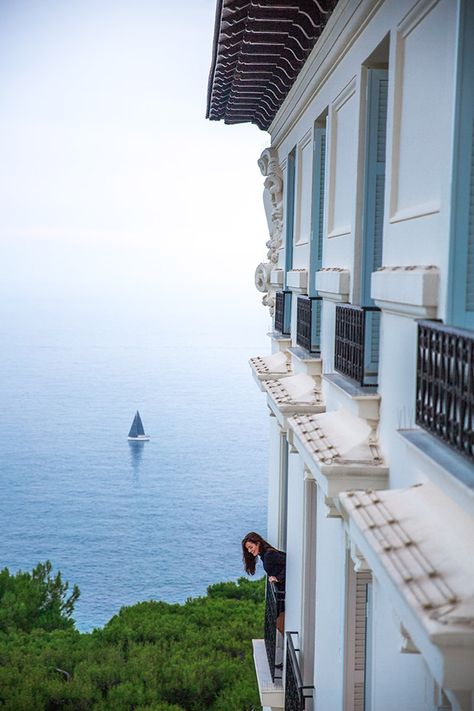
128,522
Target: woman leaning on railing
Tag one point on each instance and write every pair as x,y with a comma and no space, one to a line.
274,564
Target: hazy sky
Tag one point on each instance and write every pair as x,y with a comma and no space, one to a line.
118,199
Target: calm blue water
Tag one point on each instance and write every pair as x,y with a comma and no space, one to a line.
130,522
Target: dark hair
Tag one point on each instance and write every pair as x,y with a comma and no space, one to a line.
249,560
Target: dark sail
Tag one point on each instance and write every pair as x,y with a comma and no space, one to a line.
137,427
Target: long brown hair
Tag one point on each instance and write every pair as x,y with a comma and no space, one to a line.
250,560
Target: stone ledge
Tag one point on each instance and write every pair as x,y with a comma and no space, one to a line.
305,362
339,450
277,277
271,692
333,284
407,291
280,341
297,280
361,401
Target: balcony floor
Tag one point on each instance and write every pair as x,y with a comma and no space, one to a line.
271,692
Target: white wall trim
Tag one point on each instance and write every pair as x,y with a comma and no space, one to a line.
407,290
307,138
334,283
341,99
410,21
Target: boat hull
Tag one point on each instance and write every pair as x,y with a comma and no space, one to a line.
139,438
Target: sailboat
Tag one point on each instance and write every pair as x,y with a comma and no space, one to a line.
137,433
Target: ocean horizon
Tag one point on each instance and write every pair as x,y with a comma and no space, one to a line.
128,522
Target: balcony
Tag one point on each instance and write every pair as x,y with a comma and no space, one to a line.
274,603
308,323
357,343
296,693
283,312
445,385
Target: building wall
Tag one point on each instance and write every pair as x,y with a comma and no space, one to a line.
417,43
416,693
330,606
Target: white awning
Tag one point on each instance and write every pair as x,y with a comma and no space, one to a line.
339,449
296,393
420,545
277,365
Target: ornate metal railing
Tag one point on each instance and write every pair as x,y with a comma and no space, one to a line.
308,323
296,692
282,312
445,384
357,342
273,604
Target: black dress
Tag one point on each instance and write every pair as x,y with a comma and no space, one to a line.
274,564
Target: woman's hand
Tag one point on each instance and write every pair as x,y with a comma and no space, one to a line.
272,579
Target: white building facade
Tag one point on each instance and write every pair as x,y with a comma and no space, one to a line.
369,281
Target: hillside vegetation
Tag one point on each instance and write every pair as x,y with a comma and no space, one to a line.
152,656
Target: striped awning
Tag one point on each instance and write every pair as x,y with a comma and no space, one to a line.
259,49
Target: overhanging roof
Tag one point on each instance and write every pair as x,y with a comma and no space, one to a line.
259,49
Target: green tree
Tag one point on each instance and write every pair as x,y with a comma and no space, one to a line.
36,600
152,656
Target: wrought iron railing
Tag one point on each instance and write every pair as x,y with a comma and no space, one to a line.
445,384
296,692
308,323
357,342
273,605
283,312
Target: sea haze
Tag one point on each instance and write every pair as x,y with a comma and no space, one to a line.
129,522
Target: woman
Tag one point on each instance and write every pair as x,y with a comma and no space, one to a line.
274,564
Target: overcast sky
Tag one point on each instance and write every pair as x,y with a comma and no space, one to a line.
117,196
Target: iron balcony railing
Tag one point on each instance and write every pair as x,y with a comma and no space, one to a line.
308,323
274,603
357,342
296,692
445,384
283,312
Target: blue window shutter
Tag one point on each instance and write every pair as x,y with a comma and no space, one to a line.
461,294
316,312
317,206
470,236
372,223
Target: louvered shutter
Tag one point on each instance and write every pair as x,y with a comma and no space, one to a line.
377,94
317,206
462,245
362,580
470,237
317,228
316,311
290,212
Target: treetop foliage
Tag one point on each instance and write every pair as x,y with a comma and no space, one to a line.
152,656
35,600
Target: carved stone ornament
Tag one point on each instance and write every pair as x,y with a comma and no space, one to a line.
262,276
273,204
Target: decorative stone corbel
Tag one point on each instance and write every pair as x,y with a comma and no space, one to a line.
331,509
407,646
273,203
360,564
